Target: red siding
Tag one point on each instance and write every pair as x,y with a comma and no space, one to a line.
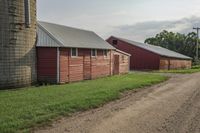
47,64
87,65
78,68
144,60
83,66
64,67
100,65
140,59
123,62
170,63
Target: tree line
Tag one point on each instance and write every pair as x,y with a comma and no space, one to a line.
181,43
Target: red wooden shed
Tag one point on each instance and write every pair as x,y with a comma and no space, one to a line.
150,57
66,54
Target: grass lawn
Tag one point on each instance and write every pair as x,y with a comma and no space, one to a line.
25,108
194,69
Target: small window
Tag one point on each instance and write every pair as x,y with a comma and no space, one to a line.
94,52
115,42
74,52
105,53
123,58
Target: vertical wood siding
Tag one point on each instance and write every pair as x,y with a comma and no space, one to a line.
47,64
100,65
76,66
123,62
82,67
87,64
64,65
140,59
45,38
170,63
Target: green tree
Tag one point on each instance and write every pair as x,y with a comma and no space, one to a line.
181,43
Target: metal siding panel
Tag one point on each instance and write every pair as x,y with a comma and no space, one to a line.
47,64
73,37
44,40
58,65
154,49
140,59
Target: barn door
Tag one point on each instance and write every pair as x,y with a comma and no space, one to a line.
116,65
87,65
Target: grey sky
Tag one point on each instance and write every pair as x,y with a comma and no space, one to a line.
133,19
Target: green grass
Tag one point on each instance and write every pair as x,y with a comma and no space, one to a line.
23,109
194,69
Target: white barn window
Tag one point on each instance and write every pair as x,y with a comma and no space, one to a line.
74,52
94,53
105,53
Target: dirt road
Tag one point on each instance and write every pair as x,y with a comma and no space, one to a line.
170,107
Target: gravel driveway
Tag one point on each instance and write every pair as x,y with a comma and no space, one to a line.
170,107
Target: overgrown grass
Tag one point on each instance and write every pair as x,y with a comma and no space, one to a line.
194,69
22,109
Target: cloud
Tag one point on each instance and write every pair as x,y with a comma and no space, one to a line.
141,31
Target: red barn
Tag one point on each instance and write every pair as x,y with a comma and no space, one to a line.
66,54
150,57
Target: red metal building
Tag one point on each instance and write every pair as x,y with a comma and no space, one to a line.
149,57
66,54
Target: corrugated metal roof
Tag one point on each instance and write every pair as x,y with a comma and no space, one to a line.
45,39
155,49
71,37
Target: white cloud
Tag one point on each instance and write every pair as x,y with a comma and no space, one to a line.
126,18
143,30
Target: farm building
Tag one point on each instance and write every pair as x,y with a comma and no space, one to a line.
149,57
66,54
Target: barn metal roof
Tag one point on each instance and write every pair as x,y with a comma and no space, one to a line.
64,36
156,49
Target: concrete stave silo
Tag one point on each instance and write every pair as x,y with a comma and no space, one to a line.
17,43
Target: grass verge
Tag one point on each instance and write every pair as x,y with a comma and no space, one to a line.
194,69
25,108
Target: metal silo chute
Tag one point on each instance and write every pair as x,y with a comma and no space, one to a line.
27,13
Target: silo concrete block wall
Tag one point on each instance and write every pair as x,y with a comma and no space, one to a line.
17,44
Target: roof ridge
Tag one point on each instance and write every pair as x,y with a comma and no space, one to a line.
154,48
65,26
50,34
66,36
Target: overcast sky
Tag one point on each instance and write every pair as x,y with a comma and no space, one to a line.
132,19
